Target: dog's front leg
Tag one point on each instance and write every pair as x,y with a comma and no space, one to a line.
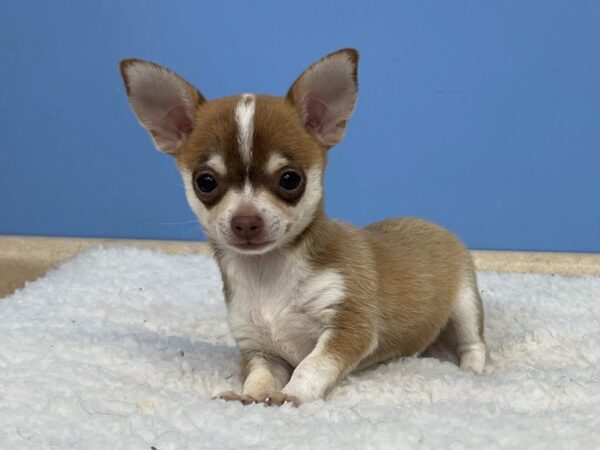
263,374
336,353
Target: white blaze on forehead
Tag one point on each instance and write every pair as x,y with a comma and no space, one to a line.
248,191
244,116
216,163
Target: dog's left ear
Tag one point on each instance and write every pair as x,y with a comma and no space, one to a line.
325,95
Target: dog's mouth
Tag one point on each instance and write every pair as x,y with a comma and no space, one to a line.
249,245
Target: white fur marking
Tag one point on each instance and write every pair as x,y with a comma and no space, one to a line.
216,163
195,204
248,192
244,116
316,374
276,162
278,304
465,317
304,212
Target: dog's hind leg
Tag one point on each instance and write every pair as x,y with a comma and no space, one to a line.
467,322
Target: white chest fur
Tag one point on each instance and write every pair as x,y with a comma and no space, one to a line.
279,304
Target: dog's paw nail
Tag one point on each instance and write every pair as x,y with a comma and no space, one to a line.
247,399
279,398
293,400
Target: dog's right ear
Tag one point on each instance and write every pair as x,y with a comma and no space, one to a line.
164,103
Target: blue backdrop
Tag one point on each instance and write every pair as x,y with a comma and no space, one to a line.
481,116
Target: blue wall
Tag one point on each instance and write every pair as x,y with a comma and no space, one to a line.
481,116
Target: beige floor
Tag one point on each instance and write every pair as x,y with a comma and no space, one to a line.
26,258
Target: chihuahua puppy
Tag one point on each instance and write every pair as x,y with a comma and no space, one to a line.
309,299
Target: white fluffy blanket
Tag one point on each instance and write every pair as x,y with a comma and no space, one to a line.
124,348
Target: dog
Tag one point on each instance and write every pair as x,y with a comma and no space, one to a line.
309,299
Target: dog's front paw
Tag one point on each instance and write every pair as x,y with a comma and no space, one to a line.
231,396
279,398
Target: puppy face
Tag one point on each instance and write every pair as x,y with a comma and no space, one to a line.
252,173
252,165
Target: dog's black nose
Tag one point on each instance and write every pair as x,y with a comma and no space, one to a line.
247,227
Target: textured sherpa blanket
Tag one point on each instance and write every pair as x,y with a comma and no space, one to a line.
125,348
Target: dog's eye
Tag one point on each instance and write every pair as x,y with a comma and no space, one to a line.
290,180
206,183
290,185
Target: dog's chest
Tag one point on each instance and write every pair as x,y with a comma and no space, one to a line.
281,306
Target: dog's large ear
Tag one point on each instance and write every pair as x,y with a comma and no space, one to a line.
164,103
325,95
